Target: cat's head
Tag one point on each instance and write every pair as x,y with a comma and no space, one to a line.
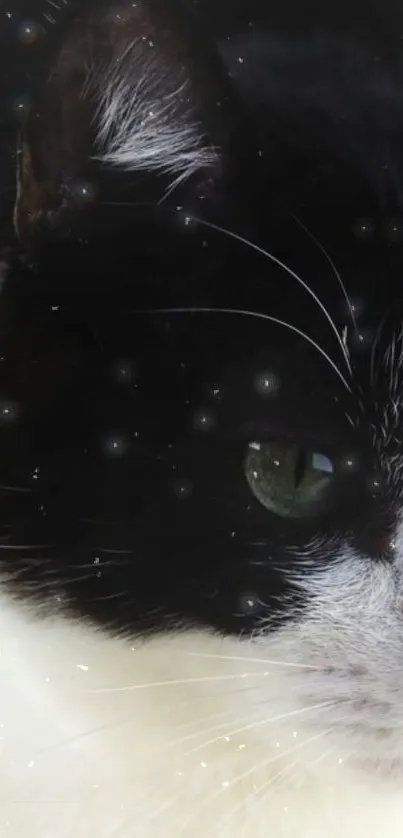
235,470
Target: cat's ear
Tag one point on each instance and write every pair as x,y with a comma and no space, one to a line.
133,88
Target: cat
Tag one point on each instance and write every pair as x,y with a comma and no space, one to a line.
200,427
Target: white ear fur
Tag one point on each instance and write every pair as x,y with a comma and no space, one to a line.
145,119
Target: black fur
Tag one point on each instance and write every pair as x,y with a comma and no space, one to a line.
123,460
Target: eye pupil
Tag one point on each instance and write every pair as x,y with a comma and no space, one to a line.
300,467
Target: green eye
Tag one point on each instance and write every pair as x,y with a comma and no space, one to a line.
287,479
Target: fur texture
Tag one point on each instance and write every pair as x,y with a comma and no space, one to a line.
148,130
195,732
178,657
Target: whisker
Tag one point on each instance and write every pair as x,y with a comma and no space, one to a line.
273,779
289,271
374,348
238,237
212,729
172,683
245,774
246,313
267,721
251,660
72,740
333,267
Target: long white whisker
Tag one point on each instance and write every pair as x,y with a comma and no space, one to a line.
64,743
222,726
273,779
251,660
374,348
172,683
289,271
245,774
333,267
246,313
266,721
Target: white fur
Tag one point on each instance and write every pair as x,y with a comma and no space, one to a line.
145,119
296,734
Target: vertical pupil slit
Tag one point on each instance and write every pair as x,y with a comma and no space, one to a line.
300,467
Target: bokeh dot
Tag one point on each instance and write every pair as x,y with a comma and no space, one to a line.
364,228
123,371
375,485
215,391
22,106
266,383
8,411
361,340
30,32
183,489
84,192
186,220
350,463
354,306
203,420
115,446
248,604
393,230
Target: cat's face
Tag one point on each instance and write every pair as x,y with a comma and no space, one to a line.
175,471
234,474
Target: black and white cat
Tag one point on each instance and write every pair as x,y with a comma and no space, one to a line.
201,610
